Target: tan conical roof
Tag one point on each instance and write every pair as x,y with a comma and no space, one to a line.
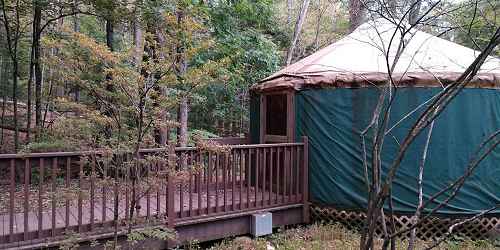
360,59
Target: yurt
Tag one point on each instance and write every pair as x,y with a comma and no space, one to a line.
330,97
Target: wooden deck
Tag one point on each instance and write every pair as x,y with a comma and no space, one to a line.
208,204
192,206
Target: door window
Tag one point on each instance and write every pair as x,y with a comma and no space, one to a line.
276,114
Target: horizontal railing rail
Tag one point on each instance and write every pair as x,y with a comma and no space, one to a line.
46,195
149,150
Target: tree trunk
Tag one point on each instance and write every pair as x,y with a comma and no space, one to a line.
181,67
109,86
58,90
30,77
14,102
76,18
414,11
289,15
182,116
109,34
76,28
3,83
392,5
318,27
231,128
50,93
220,127
138,43
12,40
164,132
298,28
161,133
109,44
356,14
37,69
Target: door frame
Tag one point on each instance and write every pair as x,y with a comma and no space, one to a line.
290,118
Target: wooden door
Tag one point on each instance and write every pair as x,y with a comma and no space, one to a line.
277,117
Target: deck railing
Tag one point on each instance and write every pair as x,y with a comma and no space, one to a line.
46,195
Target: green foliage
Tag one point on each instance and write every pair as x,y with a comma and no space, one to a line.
57,145
136,236
201,134
92,27
242,37
477,24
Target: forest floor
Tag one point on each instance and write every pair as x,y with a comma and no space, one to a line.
331,236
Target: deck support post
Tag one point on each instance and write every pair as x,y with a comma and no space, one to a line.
305,181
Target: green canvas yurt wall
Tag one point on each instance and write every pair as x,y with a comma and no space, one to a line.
333,119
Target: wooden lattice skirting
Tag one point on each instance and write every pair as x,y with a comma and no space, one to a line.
435,227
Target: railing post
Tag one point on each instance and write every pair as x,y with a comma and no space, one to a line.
11,198
305,181
27,175
171,200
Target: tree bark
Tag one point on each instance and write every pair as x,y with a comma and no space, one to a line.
31,72
3,83
76,28
414,11
37,69
109,86
12,42
298,28
181,68
182,116
109,43
356,14
76,18
50,93
416,216
109,34
318,27
289,15
15,69
162,133
138,43
58,90
392,5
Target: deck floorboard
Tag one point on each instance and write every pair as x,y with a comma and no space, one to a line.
73,210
